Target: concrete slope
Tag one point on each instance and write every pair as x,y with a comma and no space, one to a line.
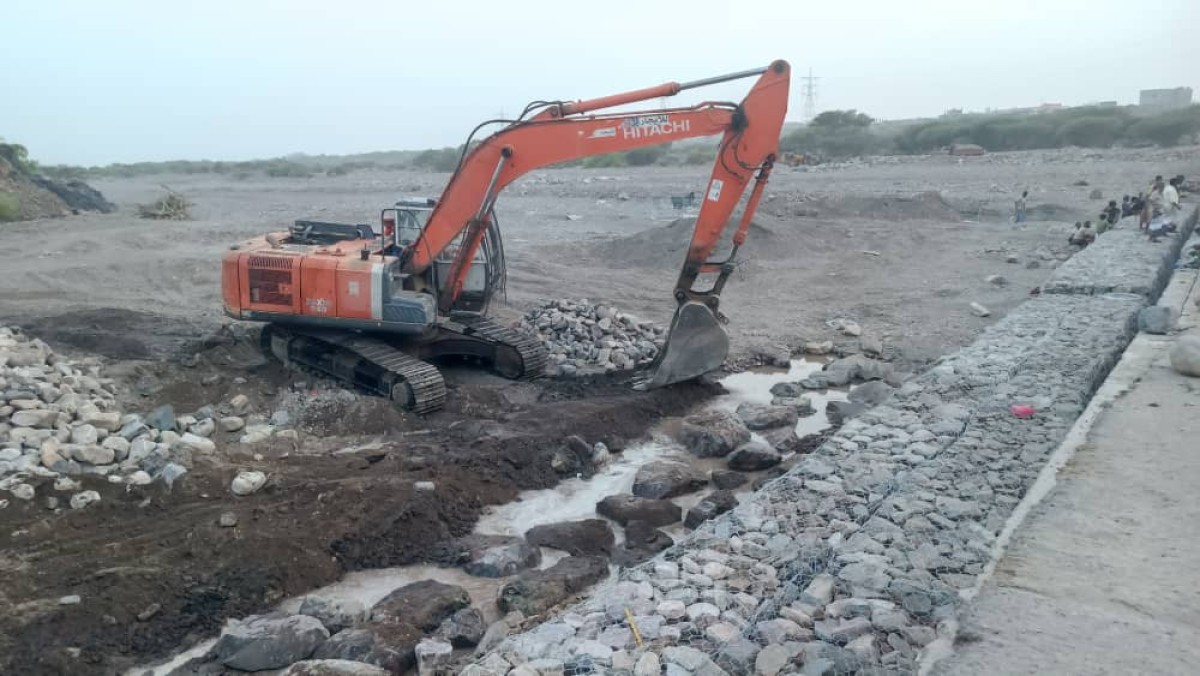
1104,576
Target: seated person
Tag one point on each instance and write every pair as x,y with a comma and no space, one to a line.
1083,235
1111,213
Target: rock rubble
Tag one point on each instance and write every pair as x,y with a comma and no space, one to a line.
586,337
852,561
61,418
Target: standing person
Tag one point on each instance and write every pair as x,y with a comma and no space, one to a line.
1148,208
1171,198
1019,208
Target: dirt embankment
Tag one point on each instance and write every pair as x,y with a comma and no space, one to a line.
25,196
154,569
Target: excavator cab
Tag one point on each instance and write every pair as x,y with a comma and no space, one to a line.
403,223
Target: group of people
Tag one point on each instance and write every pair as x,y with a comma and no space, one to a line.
1159,207
1156,208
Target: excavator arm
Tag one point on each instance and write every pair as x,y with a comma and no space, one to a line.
561,132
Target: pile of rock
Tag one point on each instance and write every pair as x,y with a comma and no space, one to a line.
60,419
852,562
582,336
416,626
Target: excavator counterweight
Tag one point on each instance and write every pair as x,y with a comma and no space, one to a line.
369,308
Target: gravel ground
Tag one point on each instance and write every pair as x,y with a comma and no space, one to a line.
805,266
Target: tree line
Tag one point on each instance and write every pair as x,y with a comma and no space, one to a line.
849,133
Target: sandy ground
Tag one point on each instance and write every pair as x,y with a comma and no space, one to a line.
806,270
1102,578
144,295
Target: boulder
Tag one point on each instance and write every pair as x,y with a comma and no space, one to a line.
772,355
725,480
536,591
500,556
335,614
85,435
839,412
626,508
196,443
668,478
787,390
712,434
264,642
232,423
718,502
463,629
93,455
39,417
753,457
1185,356
334,668
1156,319
871,393
854,368
764,417
246,483
161,418
589,537
425,604
390,645
433,655
872,346
109,421
642,542
783,440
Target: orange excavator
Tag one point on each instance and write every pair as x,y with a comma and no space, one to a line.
373,310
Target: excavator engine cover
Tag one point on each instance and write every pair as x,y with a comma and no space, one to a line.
696,344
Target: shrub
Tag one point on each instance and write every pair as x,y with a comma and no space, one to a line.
170,207
284,169
1167,129
10,207
642,157
18,156
443,160
1091,132
700,155
605,161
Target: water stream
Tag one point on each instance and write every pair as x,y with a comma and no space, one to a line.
570,500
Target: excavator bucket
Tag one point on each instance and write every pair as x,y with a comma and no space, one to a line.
696,344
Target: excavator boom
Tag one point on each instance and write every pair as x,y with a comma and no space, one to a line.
561,132
373,310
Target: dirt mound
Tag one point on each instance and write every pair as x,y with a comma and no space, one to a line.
40,197
155,567
77,195
667,245
119,334
925,206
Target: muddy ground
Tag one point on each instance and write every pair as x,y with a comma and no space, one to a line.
152,551
859,241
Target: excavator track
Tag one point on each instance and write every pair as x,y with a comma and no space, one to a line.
527,357
362,362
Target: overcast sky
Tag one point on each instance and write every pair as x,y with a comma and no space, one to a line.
99,81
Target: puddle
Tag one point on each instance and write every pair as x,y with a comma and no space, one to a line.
574,499
755,387
571,500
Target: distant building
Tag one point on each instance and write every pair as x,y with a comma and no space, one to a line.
1165,99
